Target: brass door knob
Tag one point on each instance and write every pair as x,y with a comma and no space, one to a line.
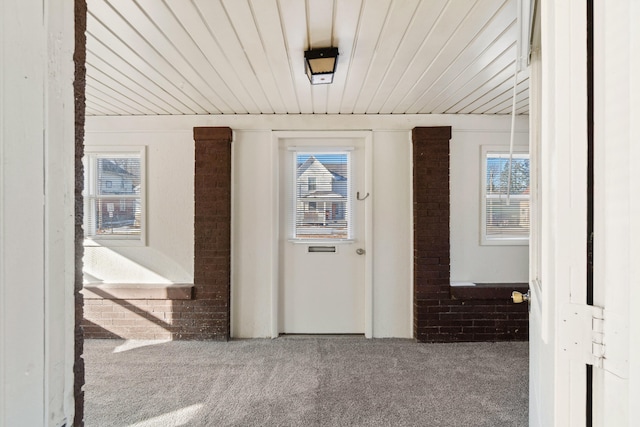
519,297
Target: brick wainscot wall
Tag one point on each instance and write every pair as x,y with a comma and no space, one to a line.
443,313
199,311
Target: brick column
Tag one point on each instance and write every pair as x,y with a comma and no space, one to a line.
79,56
431,227
442,314
212,232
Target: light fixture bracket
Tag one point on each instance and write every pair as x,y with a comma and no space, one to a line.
320,65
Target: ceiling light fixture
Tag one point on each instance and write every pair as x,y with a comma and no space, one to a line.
320,65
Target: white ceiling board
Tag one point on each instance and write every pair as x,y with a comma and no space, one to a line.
465,35
492,41
393,33
293,18
344,37
374,13
267,17
171,57
244,24
422,22
104,44
444,28
106,85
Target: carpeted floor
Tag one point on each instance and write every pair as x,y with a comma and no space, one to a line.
305,381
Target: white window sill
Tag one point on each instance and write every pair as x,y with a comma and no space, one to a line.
116,291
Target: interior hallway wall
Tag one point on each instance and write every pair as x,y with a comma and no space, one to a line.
170,148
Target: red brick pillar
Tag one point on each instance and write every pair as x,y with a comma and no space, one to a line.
431,229
212,232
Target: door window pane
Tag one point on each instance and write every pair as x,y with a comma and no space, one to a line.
322,196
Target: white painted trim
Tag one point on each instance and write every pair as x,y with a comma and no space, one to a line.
275,233
232,222
305,122
411,249
368,227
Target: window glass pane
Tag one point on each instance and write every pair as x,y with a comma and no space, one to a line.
507,203
116,217
321,207
118,175
113,195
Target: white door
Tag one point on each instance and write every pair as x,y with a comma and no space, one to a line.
322,251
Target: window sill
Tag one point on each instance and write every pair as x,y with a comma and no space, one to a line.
485,291
117,291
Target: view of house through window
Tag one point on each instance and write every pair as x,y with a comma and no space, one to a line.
506,204
322,196
113,195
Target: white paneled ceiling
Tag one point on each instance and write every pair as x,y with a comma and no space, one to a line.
162,57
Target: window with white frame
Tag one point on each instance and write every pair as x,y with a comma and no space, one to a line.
505,200
114,194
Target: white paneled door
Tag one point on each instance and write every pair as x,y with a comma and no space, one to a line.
322,250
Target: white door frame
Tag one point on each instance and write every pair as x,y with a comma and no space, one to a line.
366,135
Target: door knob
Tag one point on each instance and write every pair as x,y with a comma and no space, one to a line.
519,297
360,251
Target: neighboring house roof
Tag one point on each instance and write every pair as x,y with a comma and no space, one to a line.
338,170
111,166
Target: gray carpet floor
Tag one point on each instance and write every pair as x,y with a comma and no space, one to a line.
305,381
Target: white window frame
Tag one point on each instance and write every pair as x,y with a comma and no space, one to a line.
497,241
91,154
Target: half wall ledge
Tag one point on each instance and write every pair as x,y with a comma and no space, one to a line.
131,291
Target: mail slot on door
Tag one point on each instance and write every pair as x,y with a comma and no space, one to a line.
321,249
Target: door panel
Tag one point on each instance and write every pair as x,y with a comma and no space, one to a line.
322,280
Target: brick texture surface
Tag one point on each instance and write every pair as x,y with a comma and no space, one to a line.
438,317
207,315
79,56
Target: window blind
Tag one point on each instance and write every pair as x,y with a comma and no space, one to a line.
506,209
321,197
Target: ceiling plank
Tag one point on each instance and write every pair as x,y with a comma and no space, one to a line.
97,75
347,17
495,73
109,103
420,27
203,51
225,38
472,62
129,77
468,32
374,14
242,20
394,31
144,35
108,44
293,16
443,29
268,21
504,100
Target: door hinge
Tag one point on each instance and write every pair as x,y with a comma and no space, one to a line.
582,333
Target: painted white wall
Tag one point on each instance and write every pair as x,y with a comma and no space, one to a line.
36,213
471,261
255,230
167,256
